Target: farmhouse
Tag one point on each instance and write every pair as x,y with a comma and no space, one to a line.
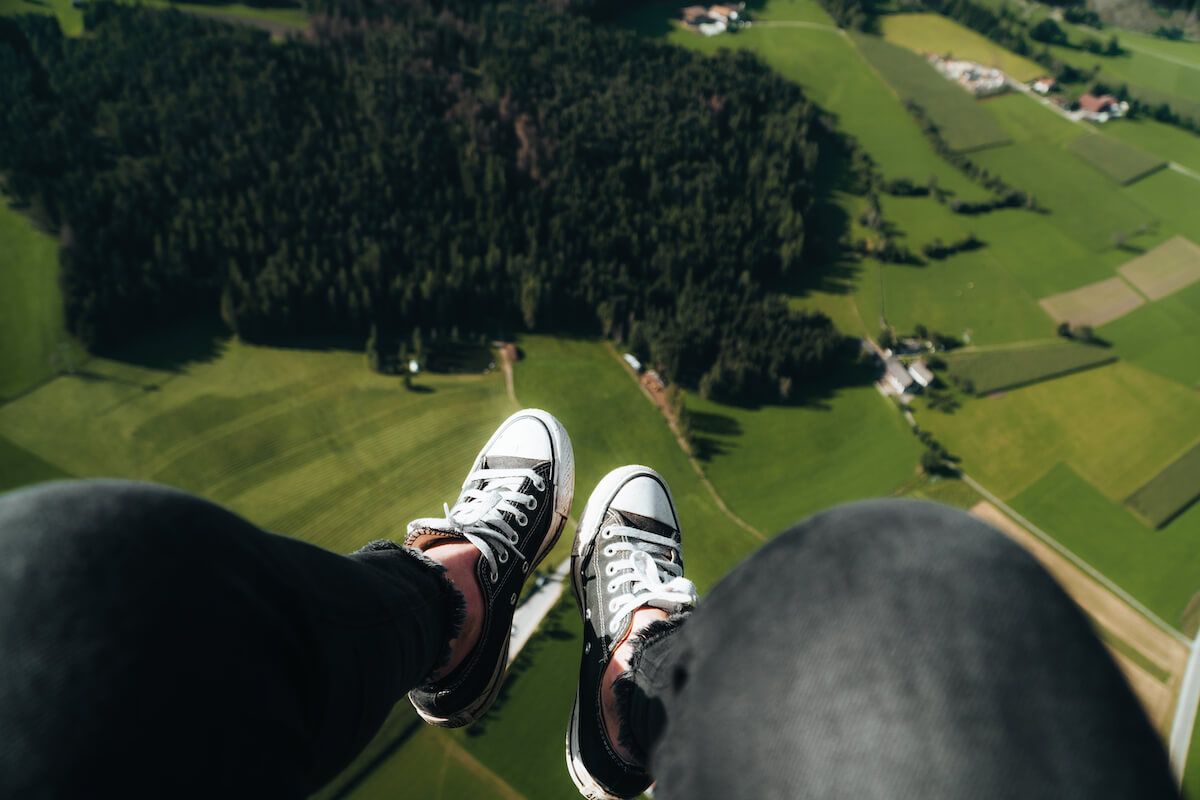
712,20
633,362
1044,85
1101,108
920,373
896,377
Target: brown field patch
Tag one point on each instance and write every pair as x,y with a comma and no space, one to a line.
1094,304
1166,269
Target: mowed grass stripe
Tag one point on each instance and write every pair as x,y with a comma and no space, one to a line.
1169,493
1122,162
995,369
1166,269
1094,304
965,123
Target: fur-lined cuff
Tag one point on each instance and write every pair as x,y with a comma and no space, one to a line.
452,599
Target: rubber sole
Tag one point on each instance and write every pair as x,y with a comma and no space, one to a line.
589,525
563,459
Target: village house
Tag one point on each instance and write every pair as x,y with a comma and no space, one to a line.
633,362
712,20
1101,108
1044,85
921,374
896,377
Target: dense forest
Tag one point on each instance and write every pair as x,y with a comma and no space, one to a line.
445,167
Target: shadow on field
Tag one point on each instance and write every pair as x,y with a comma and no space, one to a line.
704,426
171,349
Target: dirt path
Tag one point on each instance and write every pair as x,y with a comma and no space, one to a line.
506,364
687,451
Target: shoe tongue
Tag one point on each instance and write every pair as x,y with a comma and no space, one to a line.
631,520
510,462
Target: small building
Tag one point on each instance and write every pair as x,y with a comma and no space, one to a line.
724,12
712,28
632,361
1097,104
653,381
921,373
1044,85
909,345
694,15
896,377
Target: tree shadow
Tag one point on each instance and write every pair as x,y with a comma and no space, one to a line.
197,340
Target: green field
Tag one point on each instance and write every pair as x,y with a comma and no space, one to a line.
1166,141
1159,568
271,18
1163,336
1155,70
965,123
775,465
933,33
1169,493
31,316
1119,161
833,73
69,17
1117,426
999,368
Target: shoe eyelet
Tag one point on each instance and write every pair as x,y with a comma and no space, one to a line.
612,607
612,587
587,614
609,570
606,533
532,504
522,520
494,576
587,647
540,485
524,567
503,557
608,551
513,600
514,538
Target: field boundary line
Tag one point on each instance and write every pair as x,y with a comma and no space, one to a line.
1087,568
1161,56
679,440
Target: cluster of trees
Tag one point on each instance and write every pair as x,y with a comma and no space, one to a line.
1006,196
936,459
861,15
451,165
937,249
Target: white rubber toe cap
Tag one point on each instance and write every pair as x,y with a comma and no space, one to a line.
526,437
646,497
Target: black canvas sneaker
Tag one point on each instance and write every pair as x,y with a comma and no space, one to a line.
513,506
626,556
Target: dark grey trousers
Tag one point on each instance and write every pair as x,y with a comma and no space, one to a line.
153,644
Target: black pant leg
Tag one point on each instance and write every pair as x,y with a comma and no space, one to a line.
154,644
891,649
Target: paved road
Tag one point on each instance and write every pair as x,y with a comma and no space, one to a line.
535,607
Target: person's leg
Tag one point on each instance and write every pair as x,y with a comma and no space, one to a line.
154,643
889,649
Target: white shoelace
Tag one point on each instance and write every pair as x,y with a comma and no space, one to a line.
640,575
478,513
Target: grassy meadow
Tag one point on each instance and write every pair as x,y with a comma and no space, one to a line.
1116,159
933,33
31,315
965,123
